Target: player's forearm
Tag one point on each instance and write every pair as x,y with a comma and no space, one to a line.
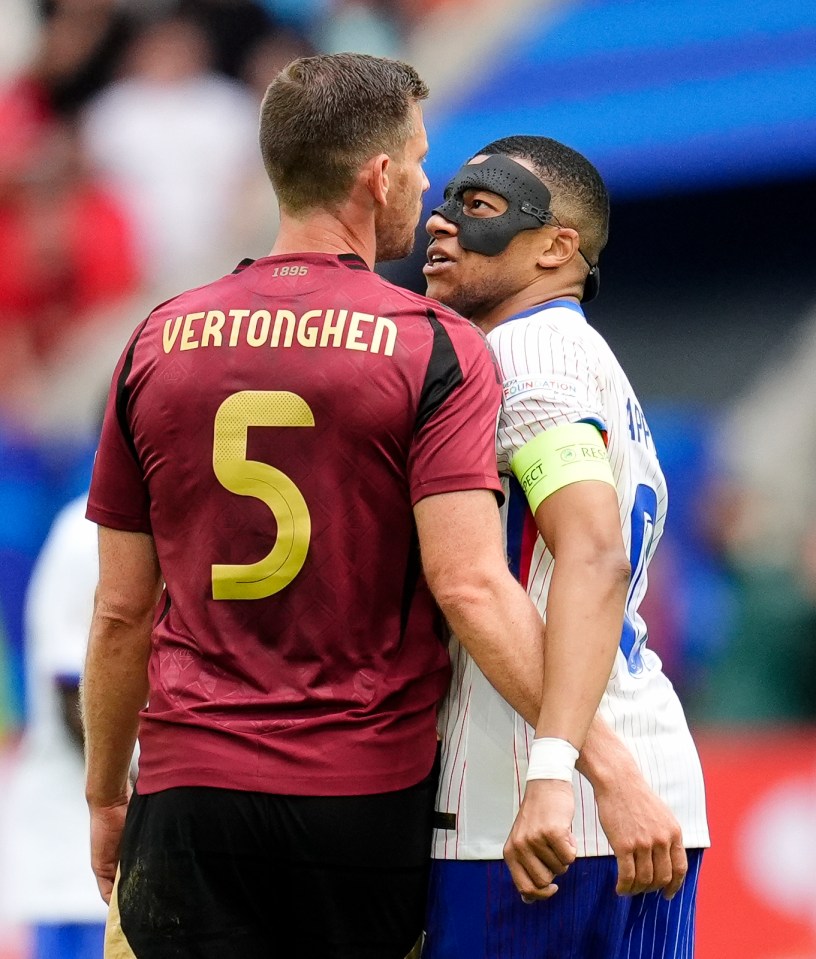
114,690
584,617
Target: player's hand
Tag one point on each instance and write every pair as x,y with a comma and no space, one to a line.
644,835
107,824
541,845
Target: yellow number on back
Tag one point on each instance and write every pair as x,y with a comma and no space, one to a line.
261,481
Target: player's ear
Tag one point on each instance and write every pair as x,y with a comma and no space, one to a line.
378,179
559,247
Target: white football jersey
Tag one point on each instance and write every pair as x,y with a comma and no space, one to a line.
556,369
45,861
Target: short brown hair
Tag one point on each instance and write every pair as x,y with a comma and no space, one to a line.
324,116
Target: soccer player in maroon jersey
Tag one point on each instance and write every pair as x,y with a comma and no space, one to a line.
296,461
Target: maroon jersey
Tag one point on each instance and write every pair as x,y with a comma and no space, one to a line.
272,431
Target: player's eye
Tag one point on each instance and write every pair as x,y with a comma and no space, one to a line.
479,206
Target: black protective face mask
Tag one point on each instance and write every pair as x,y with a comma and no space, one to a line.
528,208
528,204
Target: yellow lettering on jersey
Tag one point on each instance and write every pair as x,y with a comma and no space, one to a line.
280,316
355,333
170,334
237,317
258,329
389,328
307,335
212,328
187,341
333,329
245,477
336,328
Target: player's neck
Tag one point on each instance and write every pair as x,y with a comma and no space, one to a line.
322,232
491,315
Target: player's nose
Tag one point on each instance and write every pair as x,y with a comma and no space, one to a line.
436,225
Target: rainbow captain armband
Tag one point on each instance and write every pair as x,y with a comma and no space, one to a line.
559,457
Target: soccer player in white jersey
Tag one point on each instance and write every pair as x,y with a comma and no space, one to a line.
515,247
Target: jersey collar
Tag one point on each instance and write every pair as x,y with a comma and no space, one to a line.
349,260
549,305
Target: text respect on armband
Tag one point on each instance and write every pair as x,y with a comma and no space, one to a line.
559,457
338,328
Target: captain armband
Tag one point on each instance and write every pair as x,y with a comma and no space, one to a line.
559,457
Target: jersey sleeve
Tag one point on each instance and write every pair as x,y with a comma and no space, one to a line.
118,496
548,379
454,442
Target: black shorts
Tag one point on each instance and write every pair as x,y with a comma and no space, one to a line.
222,874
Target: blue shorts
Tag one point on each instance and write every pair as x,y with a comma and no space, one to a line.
475,912
77,940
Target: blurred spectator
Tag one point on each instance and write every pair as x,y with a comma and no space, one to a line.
266,57
300,15
46,869
179,142
366,26
232,27
81,46
764,520
66,250
18,37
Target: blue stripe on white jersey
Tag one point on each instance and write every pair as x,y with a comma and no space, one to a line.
517,513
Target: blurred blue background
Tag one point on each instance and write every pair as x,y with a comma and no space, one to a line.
664,95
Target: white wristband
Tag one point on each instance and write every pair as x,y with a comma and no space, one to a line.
551,759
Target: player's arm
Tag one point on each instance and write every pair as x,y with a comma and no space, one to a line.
645,835
463,559
566,476
115,685
643,832
580,524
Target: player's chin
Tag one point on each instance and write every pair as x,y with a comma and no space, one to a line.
395,248
438,289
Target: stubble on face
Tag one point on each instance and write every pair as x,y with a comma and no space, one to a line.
396,224
473,286
396,229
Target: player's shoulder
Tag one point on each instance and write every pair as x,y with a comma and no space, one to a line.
431,314
560,332
186,300
190,301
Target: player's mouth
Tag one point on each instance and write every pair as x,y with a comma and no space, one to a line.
438,261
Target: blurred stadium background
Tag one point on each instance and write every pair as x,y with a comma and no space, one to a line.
129,171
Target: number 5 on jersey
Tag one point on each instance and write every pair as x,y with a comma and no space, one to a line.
261,481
